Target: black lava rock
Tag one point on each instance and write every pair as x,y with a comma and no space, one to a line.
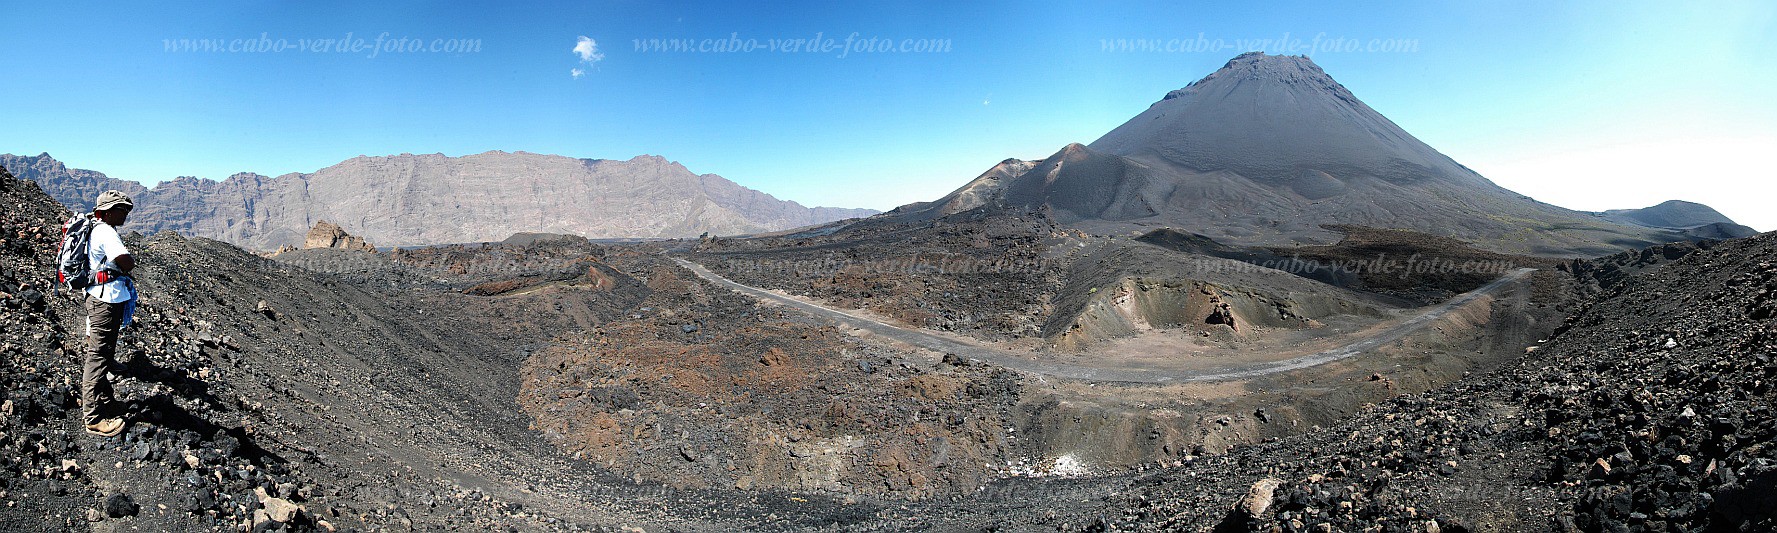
33,299
119,505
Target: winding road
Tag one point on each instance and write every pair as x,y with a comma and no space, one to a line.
1017,361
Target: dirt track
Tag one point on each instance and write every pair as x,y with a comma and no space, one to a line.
1148,374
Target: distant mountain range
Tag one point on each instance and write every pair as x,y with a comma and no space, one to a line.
1267,150
406,200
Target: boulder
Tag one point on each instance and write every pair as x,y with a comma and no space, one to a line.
329,235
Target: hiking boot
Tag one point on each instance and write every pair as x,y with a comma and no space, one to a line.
110,427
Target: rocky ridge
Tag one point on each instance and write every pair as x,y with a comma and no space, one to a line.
329,235
408,200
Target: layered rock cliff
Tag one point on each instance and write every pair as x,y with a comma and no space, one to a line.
408,200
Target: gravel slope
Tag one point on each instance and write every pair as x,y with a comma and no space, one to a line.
1650,411
1016,361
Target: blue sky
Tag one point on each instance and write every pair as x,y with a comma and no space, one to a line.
1589,105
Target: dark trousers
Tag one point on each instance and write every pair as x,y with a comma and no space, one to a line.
96,401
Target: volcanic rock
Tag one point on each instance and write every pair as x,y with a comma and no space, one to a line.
1258,498
407,199
277,509
119,506
329,235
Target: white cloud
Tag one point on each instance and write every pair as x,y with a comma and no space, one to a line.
588,50
589,53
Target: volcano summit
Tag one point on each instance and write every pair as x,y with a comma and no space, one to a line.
1265,151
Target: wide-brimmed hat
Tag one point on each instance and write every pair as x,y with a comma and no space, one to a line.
112,198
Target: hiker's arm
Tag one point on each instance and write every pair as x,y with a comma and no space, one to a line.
125,263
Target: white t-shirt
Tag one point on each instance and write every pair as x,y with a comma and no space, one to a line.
106,248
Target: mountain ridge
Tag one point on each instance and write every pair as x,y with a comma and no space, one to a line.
1679,215
409,199
1265,152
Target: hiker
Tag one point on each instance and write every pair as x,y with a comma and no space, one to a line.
110,299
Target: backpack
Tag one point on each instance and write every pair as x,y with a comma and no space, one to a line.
73,261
